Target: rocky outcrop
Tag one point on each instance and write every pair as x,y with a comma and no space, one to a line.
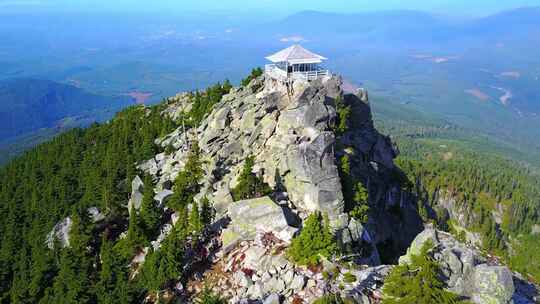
136,197
250,217
394,220
288,129
95,214
468,272
60,233
289,135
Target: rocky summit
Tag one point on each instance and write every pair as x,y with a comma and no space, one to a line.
288,128
289,138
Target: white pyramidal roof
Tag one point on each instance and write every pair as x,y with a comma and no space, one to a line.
296,54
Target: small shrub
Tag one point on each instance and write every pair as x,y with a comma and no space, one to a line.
462,236
169,149
207,296
250,185
349,277
418,282
360,213
256,72
343,115
326,275
314,240
329,299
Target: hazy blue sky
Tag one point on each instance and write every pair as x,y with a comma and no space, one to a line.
461,7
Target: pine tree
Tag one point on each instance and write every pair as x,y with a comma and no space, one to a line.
72,283
206,212
186,185
343,115
150,272
347,182
249,185
315,239
107,275
150,212
135,238
418,282
361,208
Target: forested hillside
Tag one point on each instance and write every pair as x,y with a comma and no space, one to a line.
66,176
464,182
497,198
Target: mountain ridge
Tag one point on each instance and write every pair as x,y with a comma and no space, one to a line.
28,105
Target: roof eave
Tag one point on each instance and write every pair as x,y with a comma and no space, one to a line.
297,61
303,61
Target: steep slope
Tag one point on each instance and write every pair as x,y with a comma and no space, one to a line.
290,133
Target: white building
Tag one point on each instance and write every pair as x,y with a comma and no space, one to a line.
295,63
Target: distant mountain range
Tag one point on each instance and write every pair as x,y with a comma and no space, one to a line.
480,74
412,26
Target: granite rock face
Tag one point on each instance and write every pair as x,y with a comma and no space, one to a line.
260,215
60,233
289,129
467,271
136,197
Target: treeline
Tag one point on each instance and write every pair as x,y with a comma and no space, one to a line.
94,167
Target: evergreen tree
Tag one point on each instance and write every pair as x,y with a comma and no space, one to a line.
150,212
315,239
135,238
206,212
256,72
187,185
343,115
72,284
361,208
347,182
108,274
419,282
150,273
249,185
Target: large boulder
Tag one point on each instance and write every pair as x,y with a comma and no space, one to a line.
492,285
60,233
162,197
259,215
136,197
95,214
466,270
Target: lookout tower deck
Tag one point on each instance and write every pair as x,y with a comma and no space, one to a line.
296,63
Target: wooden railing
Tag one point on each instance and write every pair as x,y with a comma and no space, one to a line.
275,72
310,75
